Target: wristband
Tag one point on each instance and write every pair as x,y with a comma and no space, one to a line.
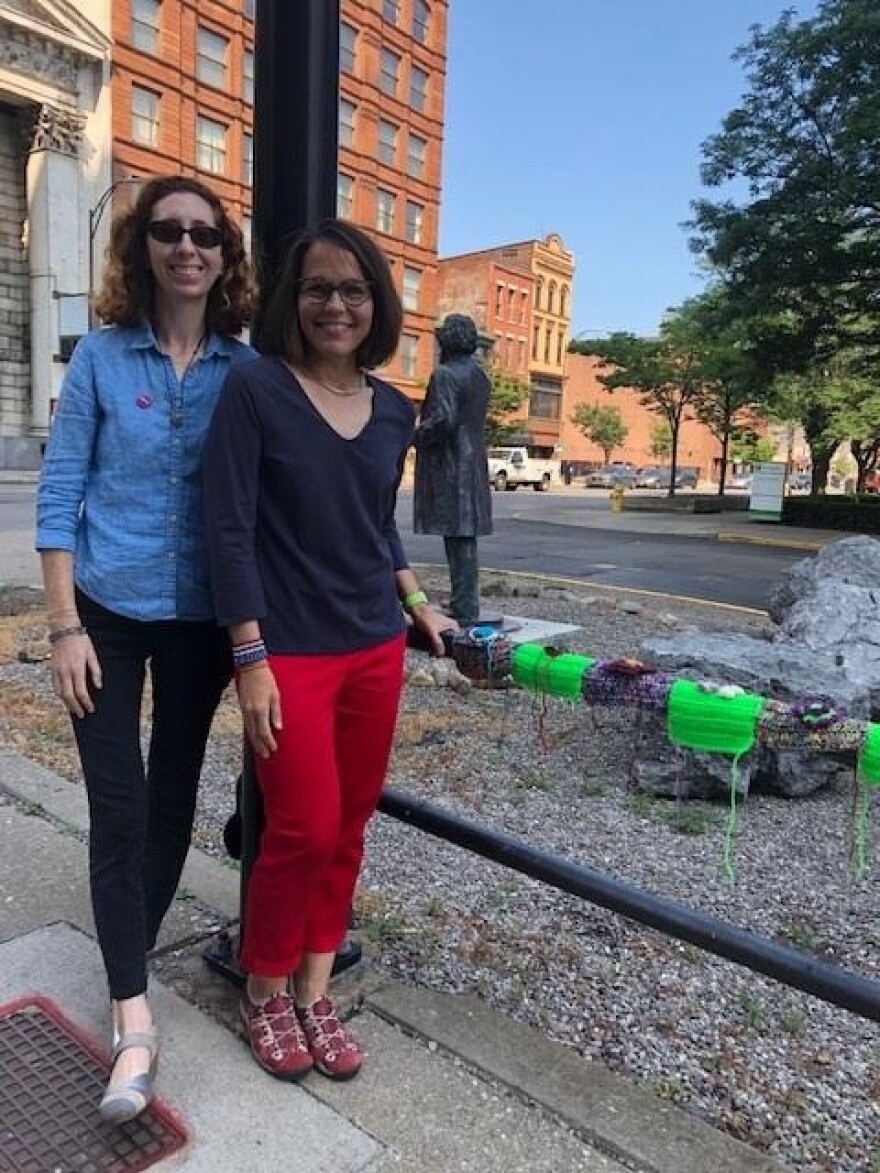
251,652
64,632
414,599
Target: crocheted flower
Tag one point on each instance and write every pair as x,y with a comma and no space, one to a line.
817,712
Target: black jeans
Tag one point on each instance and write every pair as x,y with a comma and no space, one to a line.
141,819
464,578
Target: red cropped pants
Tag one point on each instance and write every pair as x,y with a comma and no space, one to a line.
319,790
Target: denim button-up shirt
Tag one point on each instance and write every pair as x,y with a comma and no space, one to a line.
121,486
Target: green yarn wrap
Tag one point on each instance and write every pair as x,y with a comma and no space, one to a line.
869,756
712,723
560,675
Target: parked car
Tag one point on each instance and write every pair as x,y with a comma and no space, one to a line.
739,480
611,475
800,482
658,478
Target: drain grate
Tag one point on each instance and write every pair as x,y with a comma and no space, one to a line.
50,1085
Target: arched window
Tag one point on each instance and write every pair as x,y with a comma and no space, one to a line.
564,294
551,298
539,293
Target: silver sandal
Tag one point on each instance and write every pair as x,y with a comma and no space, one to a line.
126,1101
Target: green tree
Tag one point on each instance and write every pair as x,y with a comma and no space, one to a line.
747,447
799,251
661,440
506,399
602,425
665,371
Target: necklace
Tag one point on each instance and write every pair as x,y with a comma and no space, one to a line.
176,397
335,389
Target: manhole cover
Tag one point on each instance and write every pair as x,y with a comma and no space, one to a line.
50,1085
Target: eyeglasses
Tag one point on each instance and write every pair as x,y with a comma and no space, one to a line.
170,232
353,293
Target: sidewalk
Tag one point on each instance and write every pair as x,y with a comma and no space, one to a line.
449,1084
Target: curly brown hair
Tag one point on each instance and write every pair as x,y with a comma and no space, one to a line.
127,293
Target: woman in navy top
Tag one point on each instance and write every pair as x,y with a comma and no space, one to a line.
302,464
120,531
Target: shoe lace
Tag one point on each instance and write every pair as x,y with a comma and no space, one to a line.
326,1030
277,1023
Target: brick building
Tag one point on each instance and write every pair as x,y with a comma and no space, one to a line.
95,94
520,297
697,446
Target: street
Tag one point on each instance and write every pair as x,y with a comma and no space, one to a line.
559,533
565,534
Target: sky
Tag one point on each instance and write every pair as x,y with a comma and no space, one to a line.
586,118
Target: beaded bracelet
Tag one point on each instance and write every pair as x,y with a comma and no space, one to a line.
414,599
64,632
249,653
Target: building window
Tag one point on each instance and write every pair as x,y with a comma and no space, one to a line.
247,233
385,201
409,355
145,25
346,122
211,58
249,8
563,301
391,11
390,71
499,300
415,156
414,219
210,145
524,308
347,47
545,400
412,287
560,343
418,88
247,159
421,15
522,354
551,298
387,142
144,117
344,196
247,76
536,340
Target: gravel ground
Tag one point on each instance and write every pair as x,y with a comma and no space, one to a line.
778,1069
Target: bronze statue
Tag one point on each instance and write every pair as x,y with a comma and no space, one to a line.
451,477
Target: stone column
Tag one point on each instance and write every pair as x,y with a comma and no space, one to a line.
54,249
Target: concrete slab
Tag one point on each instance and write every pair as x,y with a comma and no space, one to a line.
435,1114
238,1118
610,1112
523,630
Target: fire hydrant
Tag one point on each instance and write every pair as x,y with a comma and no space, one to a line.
617,499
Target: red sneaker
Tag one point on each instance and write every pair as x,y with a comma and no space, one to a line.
277,1040
335,1051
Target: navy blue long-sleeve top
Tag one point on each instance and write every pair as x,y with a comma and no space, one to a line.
300,521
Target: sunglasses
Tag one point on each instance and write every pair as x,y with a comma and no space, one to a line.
353,293
170,232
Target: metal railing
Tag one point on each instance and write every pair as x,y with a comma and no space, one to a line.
831,983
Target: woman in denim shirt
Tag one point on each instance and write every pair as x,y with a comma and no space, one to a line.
120,532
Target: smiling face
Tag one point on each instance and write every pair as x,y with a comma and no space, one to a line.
181,271
332,330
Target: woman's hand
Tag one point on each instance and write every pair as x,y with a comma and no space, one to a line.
260,703
74,665
431,623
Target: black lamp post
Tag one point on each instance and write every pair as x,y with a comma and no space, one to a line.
95,215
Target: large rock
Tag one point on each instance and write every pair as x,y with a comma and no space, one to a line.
850,562
778,669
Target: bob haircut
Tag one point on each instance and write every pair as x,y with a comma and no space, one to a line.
281,333
128,290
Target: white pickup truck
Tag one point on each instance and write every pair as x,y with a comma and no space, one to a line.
511,467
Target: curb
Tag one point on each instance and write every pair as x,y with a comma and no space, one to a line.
809,544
